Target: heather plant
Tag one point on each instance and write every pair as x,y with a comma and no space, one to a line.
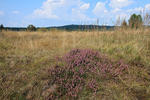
93,61
81,69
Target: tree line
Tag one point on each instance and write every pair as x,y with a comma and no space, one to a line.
135,21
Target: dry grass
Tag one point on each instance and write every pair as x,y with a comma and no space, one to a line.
24,56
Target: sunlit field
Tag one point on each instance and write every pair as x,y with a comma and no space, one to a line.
26,57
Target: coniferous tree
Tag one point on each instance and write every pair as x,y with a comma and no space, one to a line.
135,21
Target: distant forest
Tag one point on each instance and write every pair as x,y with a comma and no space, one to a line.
66,27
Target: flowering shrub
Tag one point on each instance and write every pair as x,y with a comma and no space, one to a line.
92,61
80,67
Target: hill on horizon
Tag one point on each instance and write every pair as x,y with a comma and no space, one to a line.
72,27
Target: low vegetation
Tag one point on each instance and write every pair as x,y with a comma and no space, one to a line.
78,65
81,72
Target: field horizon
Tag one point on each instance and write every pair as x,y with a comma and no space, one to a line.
71,27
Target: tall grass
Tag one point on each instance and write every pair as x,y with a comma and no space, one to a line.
25,57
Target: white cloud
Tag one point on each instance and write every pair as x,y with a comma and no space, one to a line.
1,13
147,7
120,3
61,9
109,16
135,10
15,12
139,10
116,10
48,8
122,16
78,14
100,9
77,10
85,6
44,13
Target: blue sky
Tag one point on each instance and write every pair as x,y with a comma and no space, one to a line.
21,13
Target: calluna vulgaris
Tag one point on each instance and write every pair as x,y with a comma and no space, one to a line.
80,70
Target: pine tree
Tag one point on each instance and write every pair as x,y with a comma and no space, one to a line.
135,21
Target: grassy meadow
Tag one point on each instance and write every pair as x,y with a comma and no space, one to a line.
26,56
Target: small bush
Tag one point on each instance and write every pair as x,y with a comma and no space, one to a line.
31,28
82,70
1,27
90,60
124,24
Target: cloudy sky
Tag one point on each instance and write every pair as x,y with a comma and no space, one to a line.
21,13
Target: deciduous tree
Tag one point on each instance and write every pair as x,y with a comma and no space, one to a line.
31,28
